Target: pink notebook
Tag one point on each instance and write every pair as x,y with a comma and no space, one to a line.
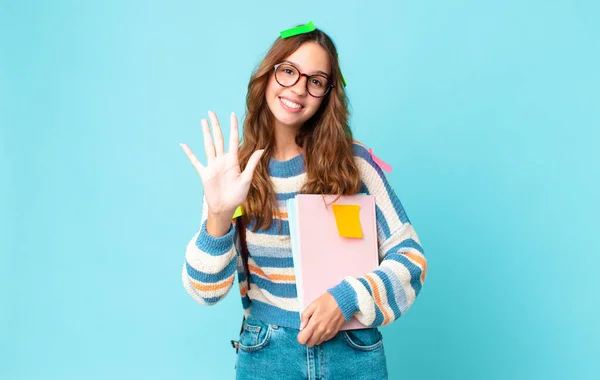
322,258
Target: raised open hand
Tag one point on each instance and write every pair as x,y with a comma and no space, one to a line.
225,187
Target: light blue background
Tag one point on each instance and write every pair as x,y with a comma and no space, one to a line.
489,112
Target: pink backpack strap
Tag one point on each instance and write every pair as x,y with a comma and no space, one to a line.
382,164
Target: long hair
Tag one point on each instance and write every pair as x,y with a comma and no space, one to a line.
326,137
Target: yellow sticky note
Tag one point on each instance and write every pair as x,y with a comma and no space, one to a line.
348,220
238,212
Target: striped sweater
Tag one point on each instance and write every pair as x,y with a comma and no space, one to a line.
375,299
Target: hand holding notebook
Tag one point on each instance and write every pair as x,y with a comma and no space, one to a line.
331,241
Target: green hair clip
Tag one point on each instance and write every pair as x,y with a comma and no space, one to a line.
342,75
306,28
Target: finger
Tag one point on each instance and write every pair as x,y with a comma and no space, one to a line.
304,335
193,159
234,138
306,314
209,146
321,340
315,338
218,136
326,338
252,164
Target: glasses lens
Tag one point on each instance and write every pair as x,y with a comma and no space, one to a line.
286,75
318,85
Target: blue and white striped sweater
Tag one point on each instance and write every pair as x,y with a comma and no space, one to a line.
376,299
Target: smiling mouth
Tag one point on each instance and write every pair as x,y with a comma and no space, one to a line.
290,106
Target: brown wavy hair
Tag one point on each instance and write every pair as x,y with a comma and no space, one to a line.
326,137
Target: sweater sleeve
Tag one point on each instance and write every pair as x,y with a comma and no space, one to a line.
210,263
382,296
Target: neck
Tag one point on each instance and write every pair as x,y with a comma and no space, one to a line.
285,142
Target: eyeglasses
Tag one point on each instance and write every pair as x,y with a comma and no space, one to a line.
288,75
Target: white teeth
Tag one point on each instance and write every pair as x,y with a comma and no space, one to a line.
290,104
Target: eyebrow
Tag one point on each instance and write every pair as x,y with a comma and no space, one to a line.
314,72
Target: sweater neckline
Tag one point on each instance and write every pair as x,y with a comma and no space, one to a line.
288,168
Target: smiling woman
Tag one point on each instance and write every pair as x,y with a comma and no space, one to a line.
297,140
289,103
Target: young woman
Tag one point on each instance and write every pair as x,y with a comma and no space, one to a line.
296,139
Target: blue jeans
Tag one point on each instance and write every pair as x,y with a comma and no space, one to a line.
272,352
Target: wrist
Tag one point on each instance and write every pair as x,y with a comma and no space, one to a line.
346,298
218,225
221,216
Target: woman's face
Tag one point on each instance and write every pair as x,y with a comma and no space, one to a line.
292,106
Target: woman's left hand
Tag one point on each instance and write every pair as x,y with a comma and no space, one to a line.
321,320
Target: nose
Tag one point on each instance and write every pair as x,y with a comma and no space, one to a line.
300,87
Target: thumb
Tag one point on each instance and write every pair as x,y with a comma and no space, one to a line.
252,164
306,314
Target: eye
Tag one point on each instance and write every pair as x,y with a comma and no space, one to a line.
316,82
288,70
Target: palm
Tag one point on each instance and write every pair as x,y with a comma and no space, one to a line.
225,187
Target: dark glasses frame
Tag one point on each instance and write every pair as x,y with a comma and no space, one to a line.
300,76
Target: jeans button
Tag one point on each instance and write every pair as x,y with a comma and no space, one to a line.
275,327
